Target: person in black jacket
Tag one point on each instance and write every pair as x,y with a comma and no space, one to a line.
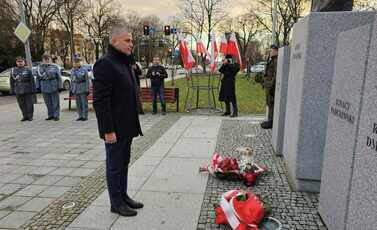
115,104
138,74
157,74
228,85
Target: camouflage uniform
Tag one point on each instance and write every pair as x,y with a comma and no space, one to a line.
269,83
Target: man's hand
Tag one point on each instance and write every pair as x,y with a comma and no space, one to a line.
110,138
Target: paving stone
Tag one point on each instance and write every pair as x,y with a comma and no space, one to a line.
25,179
48,180
81,172
35,205
193,148
9,189
12,202
54,191
95,217
15,219
62,172
92,164
32,190
6,178
68,181
3,214
164,211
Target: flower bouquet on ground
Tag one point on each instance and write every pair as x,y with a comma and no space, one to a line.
227,168
241,210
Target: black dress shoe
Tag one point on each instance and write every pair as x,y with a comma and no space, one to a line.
266,125
24,119
49,118
123,210
84,119
79,119
225,114
133,203
30,119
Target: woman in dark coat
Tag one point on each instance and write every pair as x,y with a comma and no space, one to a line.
227,93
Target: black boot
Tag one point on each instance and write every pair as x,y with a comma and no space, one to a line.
123,210
133,203
227,110
266,125
163,109
154,107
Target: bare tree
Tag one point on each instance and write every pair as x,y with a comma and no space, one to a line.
98,21
69,13
289,12
39,15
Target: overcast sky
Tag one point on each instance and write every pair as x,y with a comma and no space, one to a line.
167,8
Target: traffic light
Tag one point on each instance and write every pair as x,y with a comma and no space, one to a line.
167,30
146,30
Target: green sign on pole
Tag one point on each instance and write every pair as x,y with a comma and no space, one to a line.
22,32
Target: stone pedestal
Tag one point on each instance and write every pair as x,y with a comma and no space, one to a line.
310,79
280,99
348,191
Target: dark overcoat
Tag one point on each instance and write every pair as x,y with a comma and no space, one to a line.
114,95
228,82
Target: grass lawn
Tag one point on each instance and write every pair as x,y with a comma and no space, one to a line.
250,95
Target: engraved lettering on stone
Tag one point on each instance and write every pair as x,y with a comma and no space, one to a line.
341,110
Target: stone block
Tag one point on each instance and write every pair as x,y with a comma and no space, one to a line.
309,86
281,91
345,102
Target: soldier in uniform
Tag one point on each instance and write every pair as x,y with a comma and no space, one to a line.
49,82
23,85
80,88
269,82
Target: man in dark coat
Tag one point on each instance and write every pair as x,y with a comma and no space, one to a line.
269,82
23,85
227,94
115,104
157,74
138,73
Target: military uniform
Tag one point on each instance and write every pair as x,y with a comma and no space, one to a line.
49,82
80,88
23,85
269,83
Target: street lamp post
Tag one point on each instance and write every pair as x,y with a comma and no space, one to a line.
27,43
274,21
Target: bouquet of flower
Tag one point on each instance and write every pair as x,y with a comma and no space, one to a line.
241,210
228,168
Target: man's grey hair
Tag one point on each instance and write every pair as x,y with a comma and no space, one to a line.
119,29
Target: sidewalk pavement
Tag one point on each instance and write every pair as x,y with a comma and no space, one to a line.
166,179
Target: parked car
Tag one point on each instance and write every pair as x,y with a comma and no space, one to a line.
5,82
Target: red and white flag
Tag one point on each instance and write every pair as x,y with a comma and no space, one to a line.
214,53
233,49
201,49
223,45
187,58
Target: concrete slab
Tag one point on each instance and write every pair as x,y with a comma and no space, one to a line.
15,219
48,180
13,202
193,148
32,190
164,211
168,177
36,204
95,217
54,191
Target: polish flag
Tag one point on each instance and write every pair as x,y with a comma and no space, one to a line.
223,45
201,49
233,49
214,53
187,58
